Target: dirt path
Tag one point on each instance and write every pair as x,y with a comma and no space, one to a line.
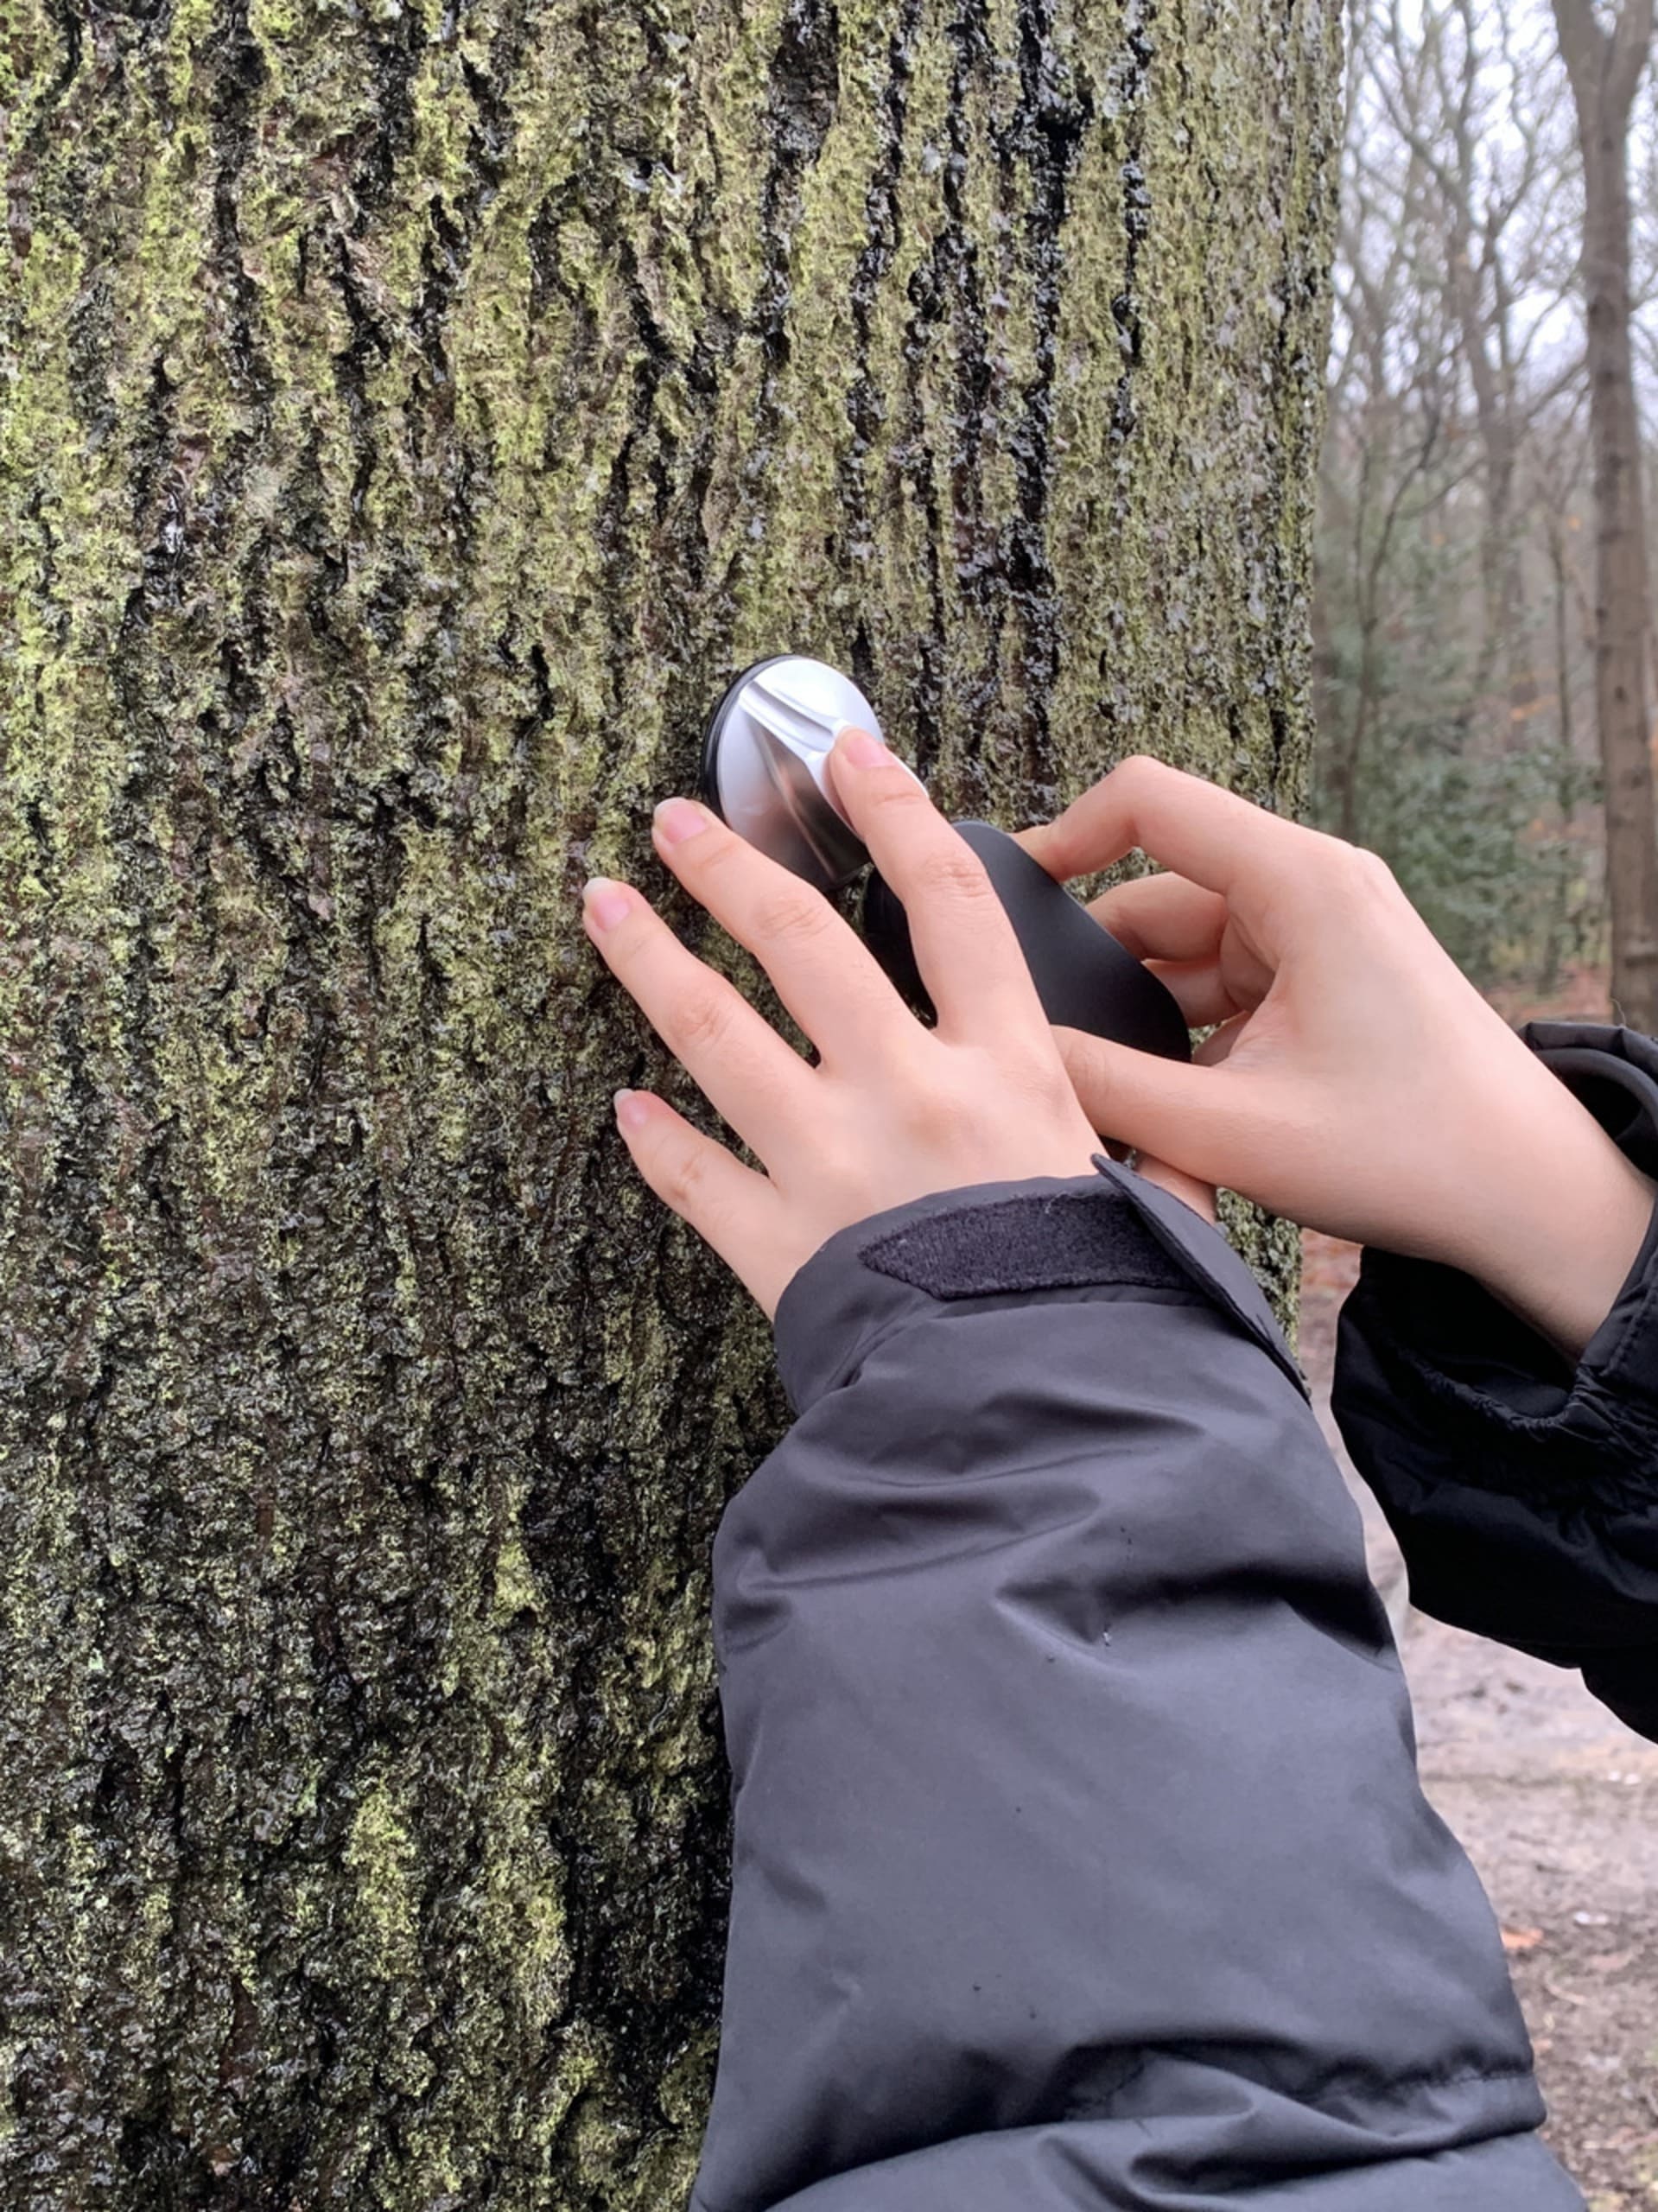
1557,1804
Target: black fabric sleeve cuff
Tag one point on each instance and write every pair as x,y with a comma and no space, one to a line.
1096,1235
1523,1488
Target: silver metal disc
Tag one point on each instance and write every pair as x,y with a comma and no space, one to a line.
764,765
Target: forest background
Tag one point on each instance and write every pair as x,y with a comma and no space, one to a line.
1461,584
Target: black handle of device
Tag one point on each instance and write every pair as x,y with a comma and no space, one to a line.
1084,977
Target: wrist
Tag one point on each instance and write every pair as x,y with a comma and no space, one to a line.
1558,1241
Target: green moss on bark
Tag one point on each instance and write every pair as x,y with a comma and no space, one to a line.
414,414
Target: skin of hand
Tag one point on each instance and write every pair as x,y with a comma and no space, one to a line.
893,1110
1356,1082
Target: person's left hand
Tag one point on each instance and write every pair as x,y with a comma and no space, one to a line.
894,1110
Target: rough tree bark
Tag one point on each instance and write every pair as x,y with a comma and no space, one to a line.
1604,63
414,411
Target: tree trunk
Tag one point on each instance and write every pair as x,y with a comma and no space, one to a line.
1604,68
418,413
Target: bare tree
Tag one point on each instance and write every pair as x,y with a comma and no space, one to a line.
1464,86
1386,408
1605,62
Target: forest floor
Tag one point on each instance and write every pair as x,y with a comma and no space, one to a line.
1557,1804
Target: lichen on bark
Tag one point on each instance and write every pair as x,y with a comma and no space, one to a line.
414,413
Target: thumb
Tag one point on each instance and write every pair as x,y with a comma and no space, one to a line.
1189,1115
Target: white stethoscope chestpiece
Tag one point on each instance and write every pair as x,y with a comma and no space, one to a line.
765,765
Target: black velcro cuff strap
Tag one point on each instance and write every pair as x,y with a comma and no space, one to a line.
1045,1241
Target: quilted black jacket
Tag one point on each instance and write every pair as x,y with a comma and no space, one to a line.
1080,1857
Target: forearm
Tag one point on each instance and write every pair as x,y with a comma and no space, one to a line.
1562,1216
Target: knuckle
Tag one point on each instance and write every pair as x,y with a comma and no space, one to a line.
789,915
840,1164
718,851
1365,872
1138,771
931,1113
683,1177
1377,872
955,872
701,1022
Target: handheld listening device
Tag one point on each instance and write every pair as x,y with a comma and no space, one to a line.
765,772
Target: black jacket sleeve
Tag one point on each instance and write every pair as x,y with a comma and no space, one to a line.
1523,1491
1079,1856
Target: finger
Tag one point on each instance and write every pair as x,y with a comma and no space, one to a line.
735,1211
963,942
1234,1128
1163,918
1206,1121
824,972
1207,834
1176,928
756,1082
1198,988
1125,1093
1190,938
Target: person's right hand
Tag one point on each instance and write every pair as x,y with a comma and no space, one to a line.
1358,1082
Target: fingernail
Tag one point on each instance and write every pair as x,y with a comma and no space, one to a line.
630,1110
607,903
864,750
676,819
